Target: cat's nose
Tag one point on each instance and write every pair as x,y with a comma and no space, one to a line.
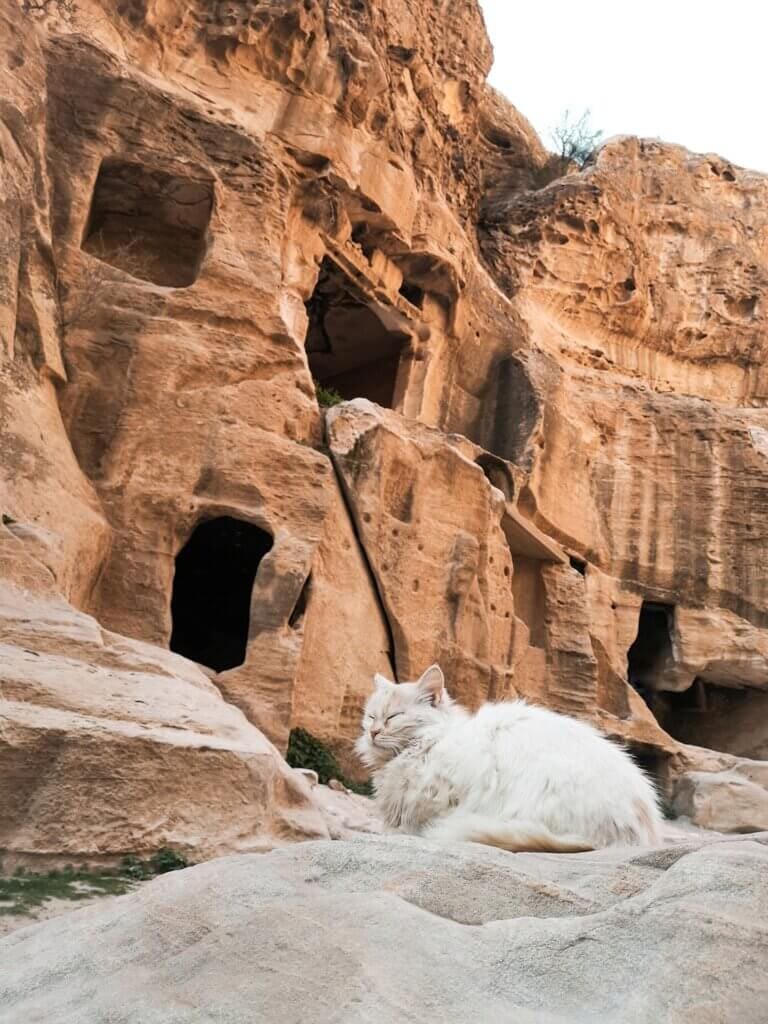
375,730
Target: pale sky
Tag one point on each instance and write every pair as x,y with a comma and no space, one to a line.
693,72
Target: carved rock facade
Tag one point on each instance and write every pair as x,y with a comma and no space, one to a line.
552,471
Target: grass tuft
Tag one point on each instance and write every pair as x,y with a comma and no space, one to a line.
26,891
327,397
306,751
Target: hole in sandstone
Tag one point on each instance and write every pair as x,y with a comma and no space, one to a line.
149,223
349,346
300,609
498,474
379,122
578,564
728,718
498,138
312,161
401,53
211,600
743,307
412,293
652,648
630,285
575,223
359,231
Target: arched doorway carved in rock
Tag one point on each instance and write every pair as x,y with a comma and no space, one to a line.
212,585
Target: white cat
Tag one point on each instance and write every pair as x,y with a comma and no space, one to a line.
512,775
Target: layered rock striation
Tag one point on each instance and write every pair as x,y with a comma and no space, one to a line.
549,471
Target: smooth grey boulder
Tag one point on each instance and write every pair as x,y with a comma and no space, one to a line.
396,929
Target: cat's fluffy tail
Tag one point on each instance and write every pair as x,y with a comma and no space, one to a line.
515,836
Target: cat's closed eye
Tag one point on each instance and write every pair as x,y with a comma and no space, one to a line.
393,715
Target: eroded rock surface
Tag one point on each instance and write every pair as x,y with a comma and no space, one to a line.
550,470
387,929
109,745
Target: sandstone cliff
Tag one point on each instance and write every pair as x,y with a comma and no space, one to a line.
550,471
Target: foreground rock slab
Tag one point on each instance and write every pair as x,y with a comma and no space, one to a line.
398,929
111,746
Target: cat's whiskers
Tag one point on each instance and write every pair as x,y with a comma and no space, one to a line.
387,743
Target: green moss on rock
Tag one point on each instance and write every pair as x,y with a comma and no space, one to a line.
306,751
25,891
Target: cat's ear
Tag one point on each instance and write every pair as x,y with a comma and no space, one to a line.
432,684
380,681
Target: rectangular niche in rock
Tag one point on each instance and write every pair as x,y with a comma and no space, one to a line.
353,345
150,223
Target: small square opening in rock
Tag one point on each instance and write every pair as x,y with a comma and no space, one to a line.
150,223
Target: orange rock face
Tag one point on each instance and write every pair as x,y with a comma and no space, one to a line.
556,482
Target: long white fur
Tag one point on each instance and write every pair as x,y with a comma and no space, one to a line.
512,775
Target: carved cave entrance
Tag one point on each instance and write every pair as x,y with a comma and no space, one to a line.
652,648
349,346
149,223
720,714
211,600
733,719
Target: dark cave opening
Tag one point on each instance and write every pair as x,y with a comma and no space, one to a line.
732,718
211,600
498,474
412,293
721,712
578,564
652,647
350,350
